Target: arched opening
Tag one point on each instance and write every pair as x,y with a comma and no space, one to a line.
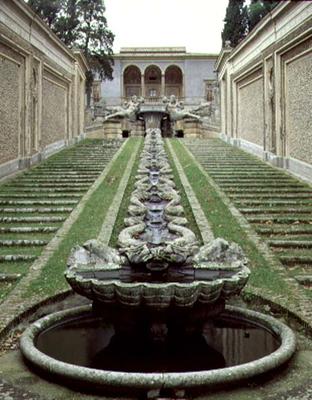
174,81
132,81
152,82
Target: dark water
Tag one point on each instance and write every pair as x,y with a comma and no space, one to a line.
93,343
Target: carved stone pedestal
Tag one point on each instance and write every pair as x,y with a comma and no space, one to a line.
132,128
190,127
112,128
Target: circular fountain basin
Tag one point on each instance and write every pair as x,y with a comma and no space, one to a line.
77,346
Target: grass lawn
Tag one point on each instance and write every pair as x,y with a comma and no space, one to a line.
86,227
224,225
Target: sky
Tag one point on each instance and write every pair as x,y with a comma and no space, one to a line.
194,24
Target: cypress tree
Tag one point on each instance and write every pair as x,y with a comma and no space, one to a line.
257,10
235,22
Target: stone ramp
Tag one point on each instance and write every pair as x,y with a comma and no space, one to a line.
34,205
277,205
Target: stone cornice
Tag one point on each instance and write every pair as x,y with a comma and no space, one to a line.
223,56
81,60
269,24
26,21
164,56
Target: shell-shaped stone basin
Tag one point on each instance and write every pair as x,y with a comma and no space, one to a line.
217,272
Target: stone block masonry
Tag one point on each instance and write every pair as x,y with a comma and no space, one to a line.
266,88
41,90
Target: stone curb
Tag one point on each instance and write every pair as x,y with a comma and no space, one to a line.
303,307
200,217
147,381
15,305
111,215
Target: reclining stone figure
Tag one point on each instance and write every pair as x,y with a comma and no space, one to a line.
129,110
176,110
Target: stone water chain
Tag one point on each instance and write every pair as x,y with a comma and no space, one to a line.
35,204
158,262
156,226
277,205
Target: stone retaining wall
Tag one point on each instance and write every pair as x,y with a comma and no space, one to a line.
41,89
266,88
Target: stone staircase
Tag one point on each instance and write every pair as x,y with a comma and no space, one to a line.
34,205
277,205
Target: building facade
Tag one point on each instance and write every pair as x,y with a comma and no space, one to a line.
156,72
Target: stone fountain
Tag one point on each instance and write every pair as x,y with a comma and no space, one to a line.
158,303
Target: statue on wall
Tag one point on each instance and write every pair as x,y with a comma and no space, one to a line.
129,110
176,109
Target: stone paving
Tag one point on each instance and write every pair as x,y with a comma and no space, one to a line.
35,204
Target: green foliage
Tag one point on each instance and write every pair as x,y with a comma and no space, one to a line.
46,9
81,24
240,19
235,22
87,226
257,9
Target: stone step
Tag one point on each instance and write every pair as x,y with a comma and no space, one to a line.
272,191
52,185
258,180
275,185
79,169
264,202
58,174
290,230
32,219
41,195
303,244
79,165
304,279
38,202
26,229
296,259
23,242
247,174
272,210
5,277
269,196
36,189
289,219
36,210
16,257
53,180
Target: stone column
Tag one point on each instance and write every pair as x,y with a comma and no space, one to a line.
142,86
162,87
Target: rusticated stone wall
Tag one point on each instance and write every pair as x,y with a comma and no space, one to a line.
298,110
271,116
41,89
9,106
250,111
53,111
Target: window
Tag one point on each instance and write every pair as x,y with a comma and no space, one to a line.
152,93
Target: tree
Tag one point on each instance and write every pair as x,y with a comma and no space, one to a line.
257,10
46,9
235,22
81,24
